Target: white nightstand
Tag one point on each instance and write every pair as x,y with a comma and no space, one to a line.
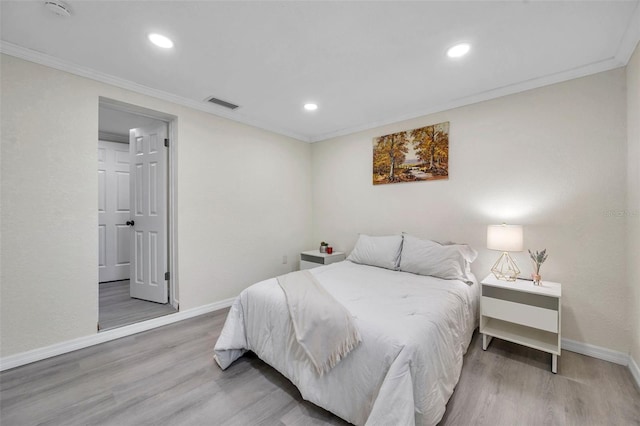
313,258
523,313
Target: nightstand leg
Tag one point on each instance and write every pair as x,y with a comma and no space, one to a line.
554,363
485,341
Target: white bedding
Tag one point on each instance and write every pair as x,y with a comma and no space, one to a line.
415,331
324,328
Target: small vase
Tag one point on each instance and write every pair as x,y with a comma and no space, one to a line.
323,249
537,279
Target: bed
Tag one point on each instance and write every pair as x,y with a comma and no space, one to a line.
414,332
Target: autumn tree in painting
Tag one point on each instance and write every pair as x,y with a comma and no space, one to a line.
388,153
414,155
431,145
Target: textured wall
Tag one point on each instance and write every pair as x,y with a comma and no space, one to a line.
551,159
49,217
633,199
243,202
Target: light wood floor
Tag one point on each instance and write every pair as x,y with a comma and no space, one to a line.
117,308
167,376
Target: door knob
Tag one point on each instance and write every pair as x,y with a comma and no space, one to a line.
131,222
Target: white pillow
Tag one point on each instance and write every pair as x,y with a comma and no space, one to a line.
424,257
383,252
467,252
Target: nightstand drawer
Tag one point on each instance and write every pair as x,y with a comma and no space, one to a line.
531,316
313,258
324,259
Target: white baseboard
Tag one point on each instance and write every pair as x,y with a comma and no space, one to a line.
34,355
596,352
604,354
635,370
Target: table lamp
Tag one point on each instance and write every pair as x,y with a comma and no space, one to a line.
505,238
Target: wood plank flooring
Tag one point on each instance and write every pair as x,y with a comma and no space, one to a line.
116,308
167,376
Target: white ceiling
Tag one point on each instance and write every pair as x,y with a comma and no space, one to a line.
365,63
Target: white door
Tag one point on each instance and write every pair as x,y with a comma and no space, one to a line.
113,211
149,213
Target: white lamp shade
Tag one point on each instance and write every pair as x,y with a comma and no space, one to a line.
504,237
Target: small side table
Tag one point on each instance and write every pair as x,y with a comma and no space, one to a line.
522,313
313,258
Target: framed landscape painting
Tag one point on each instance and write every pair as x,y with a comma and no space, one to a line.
412,155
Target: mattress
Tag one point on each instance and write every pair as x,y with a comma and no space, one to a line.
415,330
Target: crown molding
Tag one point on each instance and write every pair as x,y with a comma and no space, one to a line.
63,65
582,71
630,39
625,50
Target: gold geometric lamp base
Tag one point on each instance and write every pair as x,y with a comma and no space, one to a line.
505,268
505,238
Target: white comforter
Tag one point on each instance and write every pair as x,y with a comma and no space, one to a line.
415,331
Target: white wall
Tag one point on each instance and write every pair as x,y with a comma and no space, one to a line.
243,202
551,159
633,199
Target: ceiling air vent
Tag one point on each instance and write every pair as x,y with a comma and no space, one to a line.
221,102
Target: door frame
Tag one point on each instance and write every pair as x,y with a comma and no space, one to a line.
172,193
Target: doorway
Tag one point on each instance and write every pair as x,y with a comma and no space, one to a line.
135,199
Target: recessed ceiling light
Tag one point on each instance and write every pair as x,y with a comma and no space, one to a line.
458,50
58,7
160,41
310,107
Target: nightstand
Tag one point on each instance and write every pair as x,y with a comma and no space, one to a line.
522,313
313,258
